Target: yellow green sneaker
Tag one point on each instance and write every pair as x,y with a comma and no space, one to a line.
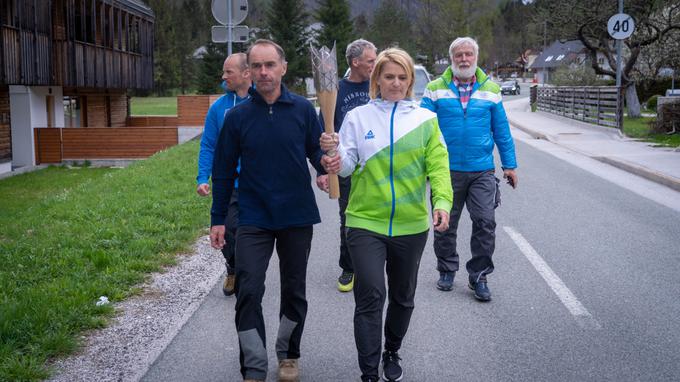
346,281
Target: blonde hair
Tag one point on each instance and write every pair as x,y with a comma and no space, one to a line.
399,57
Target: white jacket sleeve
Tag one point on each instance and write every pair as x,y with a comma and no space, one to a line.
348,150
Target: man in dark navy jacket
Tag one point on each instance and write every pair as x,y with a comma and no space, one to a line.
274,133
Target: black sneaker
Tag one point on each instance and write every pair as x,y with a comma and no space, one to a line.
391,368
445,282
346,281
482,292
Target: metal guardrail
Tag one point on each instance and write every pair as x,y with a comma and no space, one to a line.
592,104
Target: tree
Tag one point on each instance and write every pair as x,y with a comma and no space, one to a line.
439,22
477,22
361,26
433,32
577,75
391,27
286,24
336,27
191,33
663,53
166,59
208,78
586,20
514,31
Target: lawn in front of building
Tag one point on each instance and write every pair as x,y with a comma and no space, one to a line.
153,106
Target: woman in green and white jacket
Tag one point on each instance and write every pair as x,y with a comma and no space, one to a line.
390,147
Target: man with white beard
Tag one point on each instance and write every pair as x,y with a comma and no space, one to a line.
472,119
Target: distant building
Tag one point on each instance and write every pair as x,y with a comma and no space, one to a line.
67,63
558,54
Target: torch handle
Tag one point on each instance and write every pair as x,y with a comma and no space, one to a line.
333,182
327,103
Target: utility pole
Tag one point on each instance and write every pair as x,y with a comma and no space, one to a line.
545,33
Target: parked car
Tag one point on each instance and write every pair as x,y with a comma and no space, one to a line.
510,87
423,77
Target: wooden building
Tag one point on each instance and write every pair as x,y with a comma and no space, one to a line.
68,64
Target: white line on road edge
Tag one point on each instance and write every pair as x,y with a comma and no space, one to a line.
583,317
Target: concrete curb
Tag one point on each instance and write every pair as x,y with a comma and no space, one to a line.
641,171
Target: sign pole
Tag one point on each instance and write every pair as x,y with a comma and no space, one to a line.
229,26
619,95
620,26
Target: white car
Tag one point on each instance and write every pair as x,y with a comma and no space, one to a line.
423,77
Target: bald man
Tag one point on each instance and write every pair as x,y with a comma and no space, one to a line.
236,76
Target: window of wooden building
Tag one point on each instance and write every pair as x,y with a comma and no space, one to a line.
84,26
133,36
74,111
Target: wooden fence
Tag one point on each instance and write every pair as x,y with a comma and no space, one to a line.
191,110
592,104
151,120
53,145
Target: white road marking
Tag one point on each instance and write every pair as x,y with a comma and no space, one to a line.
583,317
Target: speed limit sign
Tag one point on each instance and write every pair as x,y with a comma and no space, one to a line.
620,26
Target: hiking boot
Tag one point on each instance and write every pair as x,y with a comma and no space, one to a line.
288,370
229,285
346,281
445,282
391,368
482,292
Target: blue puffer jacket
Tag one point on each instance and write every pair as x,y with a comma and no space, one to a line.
470,134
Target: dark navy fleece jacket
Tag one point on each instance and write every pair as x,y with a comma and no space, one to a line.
274,143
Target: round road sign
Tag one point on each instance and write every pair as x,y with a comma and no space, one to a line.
220,10
620,26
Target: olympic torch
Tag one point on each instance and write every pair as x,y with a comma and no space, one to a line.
325,68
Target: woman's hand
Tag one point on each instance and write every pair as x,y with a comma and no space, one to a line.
440,220
331,163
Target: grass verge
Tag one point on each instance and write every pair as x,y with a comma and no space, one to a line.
70,236
153,106
639,128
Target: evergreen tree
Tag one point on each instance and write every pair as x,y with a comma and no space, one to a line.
391,27
287,26
336,27
208,78
166,60
185,43
435,28
361,25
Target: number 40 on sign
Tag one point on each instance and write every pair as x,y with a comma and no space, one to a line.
620,26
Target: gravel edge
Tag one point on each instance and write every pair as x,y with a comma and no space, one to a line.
145,324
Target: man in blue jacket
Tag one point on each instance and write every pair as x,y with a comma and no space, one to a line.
273,134
236,76
472,119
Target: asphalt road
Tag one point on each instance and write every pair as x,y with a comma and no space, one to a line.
586,271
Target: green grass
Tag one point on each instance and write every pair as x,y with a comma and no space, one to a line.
68,236
153,106
639,128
